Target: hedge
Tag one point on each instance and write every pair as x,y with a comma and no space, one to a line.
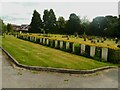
113,56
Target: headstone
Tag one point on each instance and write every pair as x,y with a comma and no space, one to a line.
44,41
67,45
41,40
73,47
104,53
30,38
34,39
82,48
47,41
61,44
92,51
56,43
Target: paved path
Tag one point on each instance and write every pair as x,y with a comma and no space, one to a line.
17,78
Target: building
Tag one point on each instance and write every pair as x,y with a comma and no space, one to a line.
16,27
24,27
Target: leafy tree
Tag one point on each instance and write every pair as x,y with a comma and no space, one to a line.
61,23
112,26
46,20
98,26
105,26
36,23
49,19
73,24
85,24
9,28
3,27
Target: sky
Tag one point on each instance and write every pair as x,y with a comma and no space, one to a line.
21,12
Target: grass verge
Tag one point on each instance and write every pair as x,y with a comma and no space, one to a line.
33,54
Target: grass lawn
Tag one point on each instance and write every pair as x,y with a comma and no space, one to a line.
32,54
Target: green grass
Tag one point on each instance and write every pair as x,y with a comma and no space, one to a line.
32,54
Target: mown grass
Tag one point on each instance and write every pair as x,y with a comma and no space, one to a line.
33,54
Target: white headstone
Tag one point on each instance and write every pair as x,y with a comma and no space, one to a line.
35,39
104,53
47,41
61,44
30,38
67,45
40,40
73,47
92,51
43,40
82,48
56,43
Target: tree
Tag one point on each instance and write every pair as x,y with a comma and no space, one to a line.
10,28
49,19
73,24
36,23
3,27
98,26
46,20
112,26
61,23
85,24
105,26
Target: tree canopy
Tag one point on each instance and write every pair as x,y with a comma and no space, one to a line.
36,24
73,24
49,20
100,26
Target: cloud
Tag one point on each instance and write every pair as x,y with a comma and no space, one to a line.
11,18
21,12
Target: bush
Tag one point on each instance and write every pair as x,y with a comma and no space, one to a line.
37,40
64,46
114,56
87,51
70,48
77,49
98,51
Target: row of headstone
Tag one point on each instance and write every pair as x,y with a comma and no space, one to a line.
54,43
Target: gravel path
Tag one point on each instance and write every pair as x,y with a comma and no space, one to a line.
18,78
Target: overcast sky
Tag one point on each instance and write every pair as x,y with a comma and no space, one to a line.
21,12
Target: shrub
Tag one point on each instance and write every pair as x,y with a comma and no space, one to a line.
70,48
114,56
98,51
37,40
77,49
64,46
87,51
